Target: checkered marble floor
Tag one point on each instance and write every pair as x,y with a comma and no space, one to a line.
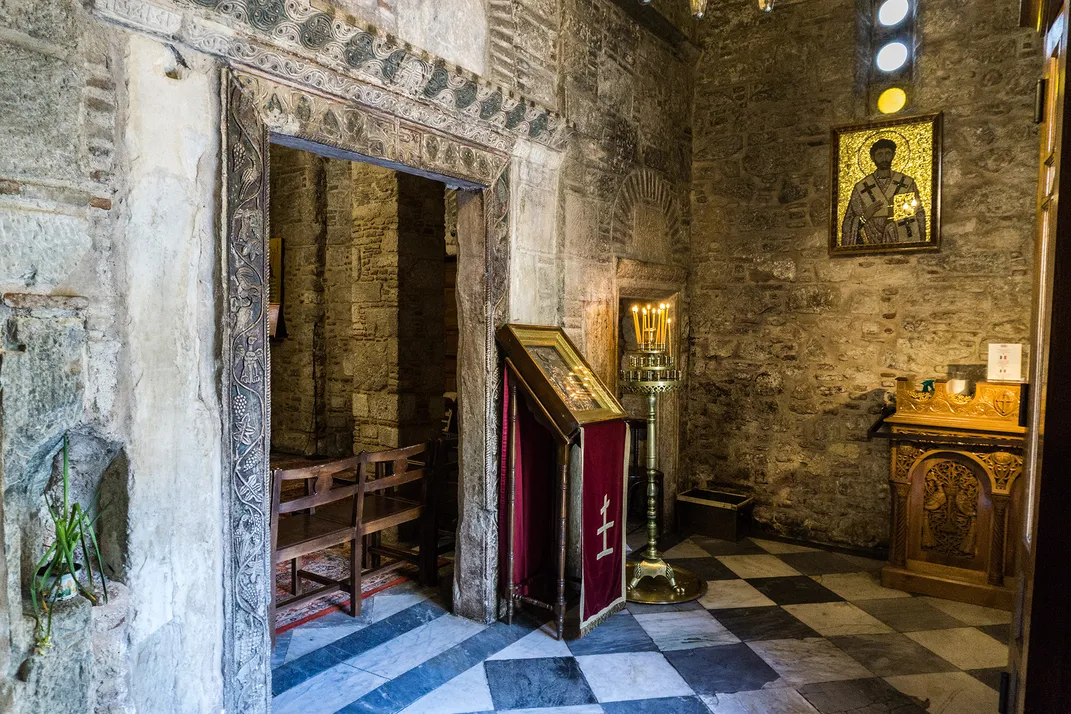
783,629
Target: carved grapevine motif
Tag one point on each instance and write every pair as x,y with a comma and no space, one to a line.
906,456
1004,466
951,506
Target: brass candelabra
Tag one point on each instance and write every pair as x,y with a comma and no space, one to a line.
652,372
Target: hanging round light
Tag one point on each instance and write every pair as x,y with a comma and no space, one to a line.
892,56
699,8
893,12
892,100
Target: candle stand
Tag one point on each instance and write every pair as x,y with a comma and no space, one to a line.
652,372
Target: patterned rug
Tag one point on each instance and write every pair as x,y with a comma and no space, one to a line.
332,563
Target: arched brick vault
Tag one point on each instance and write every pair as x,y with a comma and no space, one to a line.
645,186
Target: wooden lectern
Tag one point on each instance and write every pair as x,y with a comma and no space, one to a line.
956,492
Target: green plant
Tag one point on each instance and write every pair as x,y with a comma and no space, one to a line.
74,528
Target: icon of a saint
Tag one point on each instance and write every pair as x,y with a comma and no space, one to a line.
885,206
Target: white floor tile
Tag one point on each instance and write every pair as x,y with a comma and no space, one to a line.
540,643
467,692
763,701
685,630
778,548
327,692
969,614
634,675
858,586
686,549
723,594
806,661
965,647
758,566
949,692
416,646
831,619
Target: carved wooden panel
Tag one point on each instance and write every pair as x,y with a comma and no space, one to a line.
950,505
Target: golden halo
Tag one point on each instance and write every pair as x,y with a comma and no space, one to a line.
903,150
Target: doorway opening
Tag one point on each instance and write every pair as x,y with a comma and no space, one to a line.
363,342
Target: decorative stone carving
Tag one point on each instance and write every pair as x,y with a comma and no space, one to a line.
294,40
255,106
646,192
951,505
295,112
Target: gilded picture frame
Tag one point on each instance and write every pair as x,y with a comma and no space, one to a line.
560,376
885,185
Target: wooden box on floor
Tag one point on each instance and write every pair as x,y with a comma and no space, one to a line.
956,492
715,512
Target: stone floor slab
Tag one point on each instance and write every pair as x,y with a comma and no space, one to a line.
784,700
965,647
757,566
893,654
948,692
533,683
723,594
831,619
723,669
908,614
762,623
974,615
807,661
634,675
793,590
859,696
685,630
858,586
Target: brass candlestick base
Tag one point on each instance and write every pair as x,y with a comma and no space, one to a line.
648,578
656,582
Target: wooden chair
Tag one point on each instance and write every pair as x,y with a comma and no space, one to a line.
326,516
383,504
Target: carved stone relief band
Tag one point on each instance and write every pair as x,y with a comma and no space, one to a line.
292,39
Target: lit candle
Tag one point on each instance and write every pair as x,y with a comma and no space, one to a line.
636,321
661,324
644,335
669,335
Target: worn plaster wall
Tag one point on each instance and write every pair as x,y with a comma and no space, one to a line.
109,195
794,352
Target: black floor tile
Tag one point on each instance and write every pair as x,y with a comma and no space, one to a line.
621,633
989,677
997,632
533,683
751,624
908,614
794,590
666,705
705,568
859,695
891,655
819,563
721,670
639,608
728,547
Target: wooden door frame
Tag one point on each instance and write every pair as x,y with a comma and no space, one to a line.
1041,638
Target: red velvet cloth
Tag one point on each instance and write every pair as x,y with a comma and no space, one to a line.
535,525
603,517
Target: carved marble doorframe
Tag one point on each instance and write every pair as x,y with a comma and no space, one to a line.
257,111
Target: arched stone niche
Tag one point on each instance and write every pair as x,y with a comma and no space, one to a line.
647,224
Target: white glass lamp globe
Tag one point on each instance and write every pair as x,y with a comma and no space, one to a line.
892,12
892,56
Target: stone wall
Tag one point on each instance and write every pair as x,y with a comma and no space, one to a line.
794,352
299,228
363,362
108,263
109,190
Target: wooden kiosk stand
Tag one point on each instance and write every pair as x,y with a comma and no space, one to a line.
564,468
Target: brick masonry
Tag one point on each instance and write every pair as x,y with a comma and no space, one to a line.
795,352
